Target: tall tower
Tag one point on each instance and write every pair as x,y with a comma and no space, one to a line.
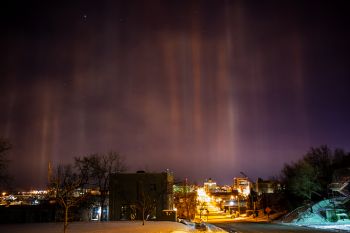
49,173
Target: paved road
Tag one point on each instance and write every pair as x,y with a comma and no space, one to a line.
247,227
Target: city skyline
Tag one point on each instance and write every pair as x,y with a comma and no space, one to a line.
203,88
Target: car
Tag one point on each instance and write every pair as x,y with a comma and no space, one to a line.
200,226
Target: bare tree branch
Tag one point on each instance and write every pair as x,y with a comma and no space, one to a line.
98,168
64,187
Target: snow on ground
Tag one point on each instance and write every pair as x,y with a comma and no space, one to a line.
334,226
343,225
311,217
105,227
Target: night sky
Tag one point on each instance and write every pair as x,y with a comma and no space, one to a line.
203,88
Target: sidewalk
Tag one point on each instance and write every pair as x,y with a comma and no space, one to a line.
242,218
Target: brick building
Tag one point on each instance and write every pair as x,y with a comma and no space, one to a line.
131,194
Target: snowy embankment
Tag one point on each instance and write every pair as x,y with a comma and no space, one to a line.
334,226
105,227
315,216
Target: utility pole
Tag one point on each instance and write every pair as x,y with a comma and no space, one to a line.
239,205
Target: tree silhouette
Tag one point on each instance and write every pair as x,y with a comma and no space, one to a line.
66,188
5,146
185,201
98,168
147,200
308,178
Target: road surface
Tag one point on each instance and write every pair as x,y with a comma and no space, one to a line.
249,227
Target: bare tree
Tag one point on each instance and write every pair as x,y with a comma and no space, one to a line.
308,178
147,201
5,146
65,186
185,201
98,168
151,197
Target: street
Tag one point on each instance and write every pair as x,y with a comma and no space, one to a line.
249,227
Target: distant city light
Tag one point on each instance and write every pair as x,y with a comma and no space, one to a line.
202,195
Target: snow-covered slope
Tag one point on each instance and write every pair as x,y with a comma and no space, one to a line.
105,227
329,213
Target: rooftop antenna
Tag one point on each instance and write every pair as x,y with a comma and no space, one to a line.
245,176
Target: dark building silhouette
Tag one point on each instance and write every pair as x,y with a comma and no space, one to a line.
131,194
